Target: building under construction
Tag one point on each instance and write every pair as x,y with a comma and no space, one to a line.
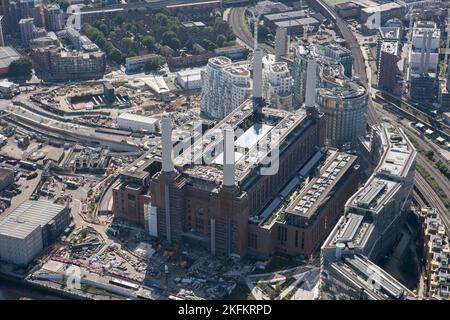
259,182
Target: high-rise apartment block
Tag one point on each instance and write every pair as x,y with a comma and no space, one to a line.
225,86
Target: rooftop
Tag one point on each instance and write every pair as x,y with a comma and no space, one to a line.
7,55
220,61
275,127
389,47
382,7
314,193
286,15
297,22
29,216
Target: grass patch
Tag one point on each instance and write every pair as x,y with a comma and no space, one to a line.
332,3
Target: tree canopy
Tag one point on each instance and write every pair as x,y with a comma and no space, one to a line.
21,67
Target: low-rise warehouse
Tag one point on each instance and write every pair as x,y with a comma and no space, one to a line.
129,121
30,228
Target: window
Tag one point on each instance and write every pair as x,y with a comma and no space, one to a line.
252,241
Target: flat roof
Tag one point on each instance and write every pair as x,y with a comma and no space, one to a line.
314,193
5,171
253,134
136,117
286,15
382,7
143,57
8,55
28,216
297,22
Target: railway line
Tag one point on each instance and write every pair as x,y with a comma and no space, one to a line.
433,200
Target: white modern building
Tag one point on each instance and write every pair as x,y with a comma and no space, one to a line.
129,121
424,52
278,85
8,89
30,228
190,79
225,86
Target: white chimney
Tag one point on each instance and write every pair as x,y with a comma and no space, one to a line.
311,79
257,73
166,142
228,156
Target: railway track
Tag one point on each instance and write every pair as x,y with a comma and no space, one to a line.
236,20
433,200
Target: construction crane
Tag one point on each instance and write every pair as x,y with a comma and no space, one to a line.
255,20
41,12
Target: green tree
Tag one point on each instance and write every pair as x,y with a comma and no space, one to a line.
430,154
21,67
263,33
170,38
153,65
149,42
220,40
116,56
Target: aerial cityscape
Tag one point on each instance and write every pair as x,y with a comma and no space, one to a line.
224,150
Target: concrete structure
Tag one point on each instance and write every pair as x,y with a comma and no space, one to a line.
26,27
30,228
56,64
271,19
233,52
2,31
387,34
8,89
225,206
7,56
329,72
436,253
345,107
54,17
137,63
6,178
225,86
369,228
388,71
79,41
190,79
298,25
129,121
374,17
281,44
278,85
423,61
341,55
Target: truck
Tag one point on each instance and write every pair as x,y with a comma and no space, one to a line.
71,184
31,175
